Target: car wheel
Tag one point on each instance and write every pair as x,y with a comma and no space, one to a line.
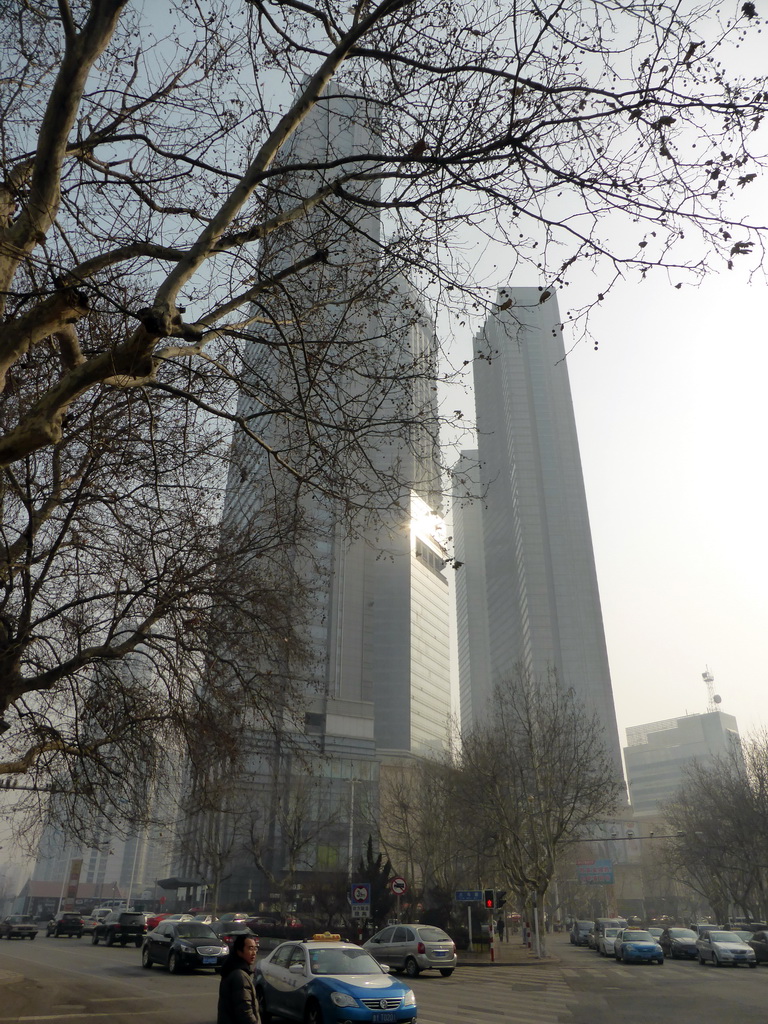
174,964
94,939
146,959
752,965
123,942
602,952
313,1014
715,960
138,943
446,971
701,960
110,940
411,967
660,962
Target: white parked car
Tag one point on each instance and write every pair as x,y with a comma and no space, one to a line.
724,949
606,940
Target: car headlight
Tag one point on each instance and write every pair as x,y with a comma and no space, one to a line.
343,999
185,947
409,999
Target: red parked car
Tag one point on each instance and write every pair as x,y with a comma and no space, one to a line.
153,922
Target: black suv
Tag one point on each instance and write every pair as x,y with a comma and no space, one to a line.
121,926
65,923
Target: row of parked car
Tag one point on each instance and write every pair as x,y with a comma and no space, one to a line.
179,941
707,943
176,943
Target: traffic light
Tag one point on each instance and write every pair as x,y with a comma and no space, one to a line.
488,899
501,898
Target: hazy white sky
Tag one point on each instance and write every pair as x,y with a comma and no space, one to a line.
672,417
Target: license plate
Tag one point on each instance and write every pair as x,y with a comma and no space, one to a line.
383,1018
209,959
439,952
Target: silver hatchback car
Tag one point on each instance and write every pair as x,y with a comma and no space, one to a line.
413,948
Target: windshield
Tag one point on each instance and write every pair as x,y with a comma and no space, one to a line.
342,961
724,937
611,933
195,930
681,933
638,936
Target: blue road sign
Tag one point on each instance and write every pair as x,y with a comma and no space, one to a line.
360,894
468,895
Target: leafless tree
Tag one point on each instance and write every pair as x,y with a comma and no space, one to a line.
721,815
301,817
536,774
425,833
176,269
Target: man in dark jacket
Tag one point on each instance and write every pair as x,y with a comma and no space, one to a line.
237,996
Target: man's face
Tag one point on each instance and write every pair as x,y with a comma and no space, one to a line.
249,950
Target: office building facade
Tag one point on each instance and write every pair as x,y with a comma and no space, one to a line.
373,608
530,594
657,754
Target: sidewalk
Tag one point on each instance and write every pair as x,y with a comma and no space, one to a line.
508,954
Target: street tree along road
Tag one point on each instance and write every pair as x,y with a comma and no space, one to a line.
153,215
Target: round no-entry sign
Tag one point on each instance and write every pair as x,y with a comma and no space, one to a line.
398,886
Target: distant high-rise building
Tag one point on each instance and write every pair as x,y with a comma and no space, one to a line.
529,595
657,754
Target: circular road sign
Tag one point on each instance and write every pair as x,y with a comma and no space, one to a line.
361,893
398,886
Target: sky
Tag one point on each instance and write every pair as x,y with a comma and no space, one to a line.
671,412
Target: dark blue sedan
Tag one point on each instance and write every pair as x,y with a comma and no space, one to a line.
327,981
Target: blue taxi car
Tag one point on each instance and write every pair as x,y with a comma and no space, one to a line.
326,981
634,945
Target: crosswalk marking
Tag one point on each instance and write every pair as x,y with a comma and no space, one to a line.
527,995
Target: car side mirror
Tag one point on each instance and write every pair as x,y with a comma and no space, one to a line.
385,968
296,968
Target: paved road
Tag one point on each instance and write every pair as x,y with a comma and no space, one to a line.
69,981
66,981
602,991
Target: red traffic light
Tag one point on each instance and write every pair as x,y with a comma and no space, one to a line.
489,899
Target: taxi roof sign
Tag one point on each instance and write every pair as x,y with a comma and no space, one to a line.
326,937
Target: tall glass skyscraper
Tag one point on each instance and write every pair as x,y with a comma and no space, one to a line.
371,596
527,590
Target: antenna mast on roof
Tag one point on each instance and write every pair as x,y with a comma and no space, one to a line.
713,698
